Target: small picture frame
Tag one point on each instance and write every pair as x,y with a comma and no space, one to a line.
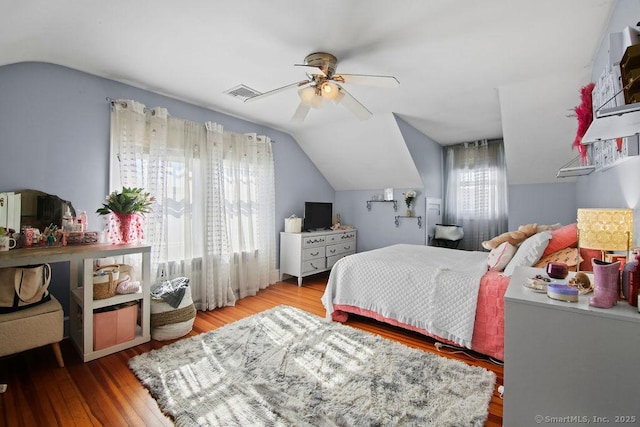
388,193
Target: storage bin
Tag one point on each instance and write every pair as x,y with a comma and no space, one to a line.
293,224
115,326
167,322
105,281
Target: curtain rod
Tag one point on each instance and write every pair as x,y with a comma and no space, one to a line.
124,104
113,101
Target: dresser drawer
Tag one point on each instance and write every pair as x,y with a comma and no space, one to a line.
341,248
312,241
331,260
341,237
312,253
313,265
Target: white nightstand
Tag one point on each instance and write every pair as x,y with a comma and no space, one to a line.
565,360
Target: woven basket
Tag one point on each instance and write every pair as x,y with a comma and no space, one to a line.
105,281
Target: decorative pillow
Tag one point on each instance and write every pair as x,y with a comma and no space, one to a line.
563,237
499,257
529,252
587,255
567,256
548,227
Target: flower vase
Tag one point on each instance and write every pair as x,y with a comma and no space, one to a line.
409,212
124,228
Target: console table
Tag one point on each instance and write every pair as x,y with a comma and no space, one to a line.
566,359
82,304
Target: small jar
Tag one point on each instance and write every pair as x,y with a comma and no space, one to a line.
557,270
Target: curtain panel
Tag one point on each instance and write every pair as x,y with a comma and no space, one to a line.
214,217
475,193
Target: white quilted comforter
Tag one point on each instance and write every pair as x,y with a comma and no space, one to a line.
435,289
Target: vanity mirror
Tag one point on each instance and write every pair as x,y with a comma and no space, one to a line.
40,209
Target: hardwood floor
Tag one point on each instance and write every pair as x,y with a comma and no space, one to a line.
104,392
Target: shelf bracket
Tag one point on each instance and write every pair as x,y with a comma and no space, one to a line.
395,204
397,220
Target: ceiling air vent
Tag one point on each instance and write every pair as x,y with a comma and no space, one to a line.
242,92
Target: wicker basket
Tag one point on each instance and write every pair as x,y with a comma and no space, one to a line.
105,281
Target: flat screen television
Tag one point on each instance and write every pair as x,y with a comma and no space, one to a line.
318,216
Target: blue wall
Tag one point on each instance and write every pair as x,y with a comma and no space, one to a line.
54,137
376,228
542,204
619,186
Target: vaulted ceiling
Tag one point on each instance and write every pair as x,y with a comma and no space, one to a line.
468,70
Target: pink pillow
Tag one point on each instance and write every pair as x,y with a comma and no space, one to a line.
562,238
587,255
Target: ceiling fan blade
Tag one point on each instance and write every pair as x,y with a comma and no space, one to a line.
353,105
311,69
301,113
278,90
368,80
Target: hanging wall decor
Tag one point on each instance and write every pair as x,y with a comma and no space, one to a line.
584,112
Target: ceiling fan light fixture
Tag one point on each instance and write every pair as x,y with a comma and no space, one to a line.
329,90
307,94
339,95
323,83
316,101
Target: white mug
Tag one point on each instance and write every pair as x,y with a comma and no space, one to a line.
7,243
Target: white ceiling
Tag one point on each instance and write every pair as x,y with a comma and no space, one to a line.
468,70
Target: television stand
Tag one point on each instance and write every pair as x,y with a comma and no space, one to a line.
307,253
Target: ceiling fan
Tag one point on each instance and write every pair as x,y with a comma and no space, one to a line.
323,83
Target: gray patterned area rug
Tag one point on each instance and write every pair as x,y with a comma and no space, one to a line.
287,367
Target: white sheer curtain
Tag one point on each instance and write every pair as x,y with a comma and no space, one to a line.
475,194
214,216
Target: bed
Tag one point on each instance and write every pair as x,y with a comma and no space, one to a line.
444,293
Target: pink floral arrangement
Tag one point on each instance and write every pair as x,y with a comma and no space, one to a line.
584,112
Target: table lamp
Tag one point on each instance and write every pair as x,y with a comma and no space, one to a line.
605,229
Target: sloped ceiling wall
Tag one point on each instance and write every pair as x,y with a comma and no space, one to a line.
373,154
538,136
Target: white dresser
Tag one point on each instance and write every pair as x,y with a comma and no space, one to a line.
568,362
304,254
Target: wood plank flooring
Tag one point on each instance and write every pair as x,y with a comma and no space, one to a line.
104,392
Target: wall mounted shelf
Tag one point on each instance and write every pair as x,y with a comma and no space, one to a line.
419,218
395,203
611,152
574,168
614,123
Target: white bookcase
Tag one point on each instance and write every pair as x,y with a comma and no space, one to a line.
304,254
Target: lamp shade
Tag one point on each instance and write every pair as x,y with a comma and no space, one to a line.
605,229
307,94
329,90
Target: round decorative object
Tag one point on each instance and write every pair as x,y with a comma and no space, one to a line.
582,282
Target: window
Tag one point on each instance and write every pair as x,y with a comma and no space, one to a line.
214,216
476,190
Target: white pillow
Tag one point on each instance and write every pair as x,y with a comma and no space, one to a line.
529,252
499,257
